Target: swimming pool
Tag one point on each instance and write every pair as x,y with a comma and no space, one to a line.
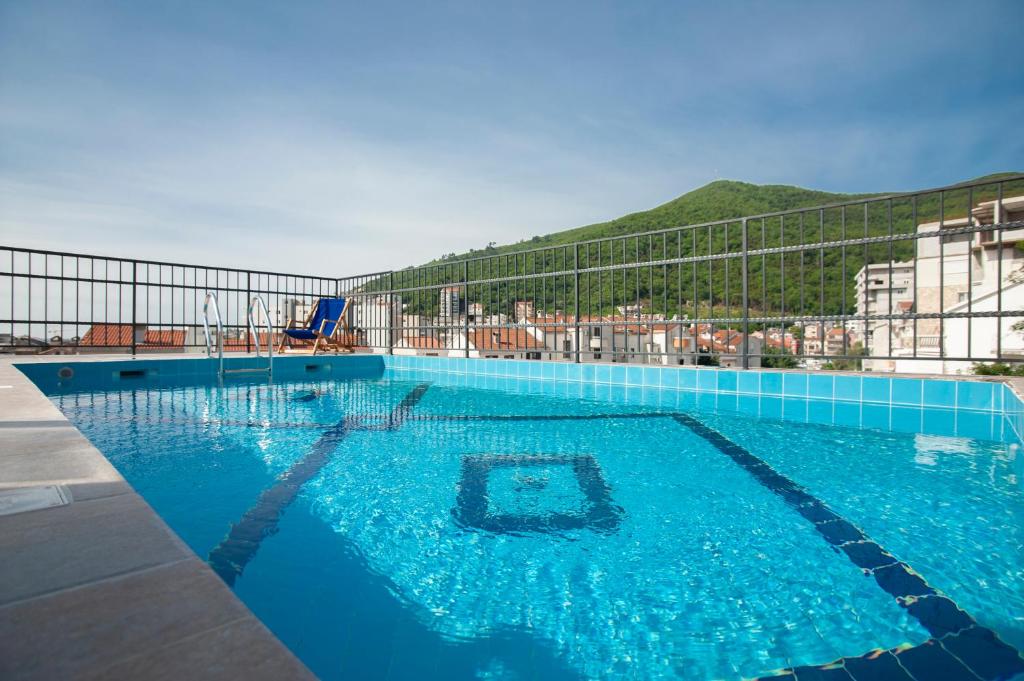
418,522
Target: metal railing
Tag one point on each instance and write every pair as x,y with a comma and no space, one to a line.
257,304
60,302
219,326
929,281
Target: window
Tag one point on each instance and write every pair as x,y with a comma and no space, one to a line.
962,296
596,332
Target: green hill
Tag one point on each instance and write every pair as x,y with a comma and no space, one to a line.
720,200
809,279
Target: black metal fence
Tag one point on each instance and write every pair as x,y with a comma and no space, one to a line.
72,302
923,281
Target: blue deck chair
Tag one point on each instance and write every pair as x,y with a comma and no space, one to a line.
324,325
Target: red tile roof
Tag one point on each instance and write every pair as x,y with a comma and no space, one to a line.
627,325
121,335
503,339
247,344
421,343
551,323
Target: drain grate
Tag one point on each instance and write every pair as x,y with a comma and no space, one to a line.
24,499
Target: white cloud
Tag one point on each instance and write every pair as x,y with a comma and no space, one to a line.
151,138
275,195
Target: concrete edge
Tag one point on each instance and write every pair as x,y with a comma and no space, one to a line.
86,579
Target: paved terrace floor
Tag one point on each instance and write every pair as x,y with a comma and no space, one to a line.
102,588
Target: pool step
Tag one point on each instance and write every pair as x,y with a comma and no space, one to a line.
258,370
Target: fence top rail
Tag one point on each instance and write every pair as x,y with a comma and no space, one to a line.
866,199
164,263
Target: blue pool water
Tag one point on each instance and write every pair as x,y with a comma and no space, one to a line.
398,527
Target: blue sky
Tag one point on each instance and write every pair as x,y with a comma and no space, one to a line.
339,139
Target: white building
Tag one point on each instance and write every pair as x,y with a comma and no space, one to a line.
420,345
292,308
524,310
506,343
830,340
960,273
450,304
880,287
376,320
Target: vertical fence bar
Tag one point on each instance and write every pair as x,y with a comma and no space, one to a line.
942,280
970,264
917,306
391,313
997,216
135,281
746,300
576,295
248,299
465,317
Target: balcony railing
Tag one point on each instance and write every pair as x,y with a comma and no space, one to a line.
743,291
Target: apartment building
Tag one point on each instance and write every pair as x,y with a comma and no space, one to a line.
376,320
970,272
833,341
880,287
450,303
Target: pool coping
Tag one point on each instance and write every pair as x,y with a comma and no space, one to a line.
1014,383
102,586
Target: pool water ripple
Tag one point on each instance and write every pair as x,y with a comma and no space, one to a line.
705,572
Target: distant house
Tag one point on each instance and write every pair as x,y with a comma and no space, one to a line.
838,341
513,343
420,345
556,332
105,337
610,338
730,345
671,343
247,342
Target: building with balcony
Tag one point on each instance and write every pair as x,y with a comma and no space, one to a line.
960,273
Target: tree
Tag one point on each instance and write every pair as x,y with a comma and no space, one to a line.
998,369
777,358
706,359
857,350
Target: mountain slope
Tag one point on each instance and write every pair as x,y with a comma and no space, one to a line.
807,278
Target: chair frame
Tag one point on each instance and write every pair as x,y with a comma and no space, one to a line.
332,340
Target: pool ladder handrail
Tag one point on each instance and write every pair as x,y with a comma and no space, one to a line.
251,318
256,336
211,296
